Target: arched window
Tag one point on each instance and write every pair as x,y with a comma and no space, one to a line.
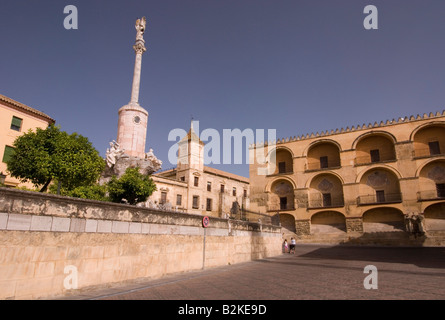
379,186
374,148
281,196
429,141
325,191
323,155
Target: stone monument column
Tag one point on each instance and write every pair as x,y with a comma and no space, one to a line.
129,149
132,123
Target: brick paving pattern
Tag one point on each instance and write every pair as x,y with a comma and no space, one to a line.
314,272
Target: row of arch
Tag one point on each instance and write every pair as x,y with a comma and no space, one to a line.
376,185
375,146
360,175
386,219
417,135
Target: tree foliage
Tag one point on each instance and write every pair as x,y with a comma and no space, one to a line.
93,192
48,154
132,186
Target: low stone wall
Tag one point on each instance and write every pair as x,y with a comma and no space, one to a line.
357,232
47,243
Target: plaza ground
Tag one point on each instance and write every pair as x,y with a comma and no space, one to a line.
314,272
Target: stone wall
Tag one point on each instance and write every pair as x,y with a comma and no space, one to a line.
43,238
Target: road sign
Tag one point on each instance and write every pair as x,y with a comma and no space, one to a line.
205,222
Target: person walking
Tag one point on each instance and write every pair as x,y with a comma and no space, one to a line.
285,246
292,245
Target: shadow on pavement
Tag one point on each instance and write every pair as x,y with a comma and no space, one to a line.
425,257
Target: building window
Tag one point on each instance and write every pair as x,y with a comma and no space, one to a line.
209,204
324,162
182,178
222,188
245,193
281,167
327,200
209,186
179,199
16,123
434,147
163,197
375,155
283,203
234,192
8,153
196,183
380,196
195,204
440,187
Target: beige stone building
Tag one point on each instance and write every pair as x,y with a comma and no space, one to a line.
194,188
16,119
382,180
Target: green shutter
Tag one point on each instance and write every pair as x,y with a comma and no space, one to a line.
8,153
16,123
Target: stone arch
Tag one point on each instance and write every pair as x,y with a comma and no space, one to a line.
426,163
321,141
325,190
431,177
268,187
281,195
323,154
423,126
374,147
283,161
429,139
328,222
383,219
435,217
378,166
287,222
379,185
278,148
335,174
374,133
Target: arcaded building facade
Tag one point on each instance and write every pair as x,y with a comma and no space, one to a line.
378,181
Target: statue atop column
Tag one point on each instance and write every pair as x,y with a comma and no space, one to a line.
139,46
140,28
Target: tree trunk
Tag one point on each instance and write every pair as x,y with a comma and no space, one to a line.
45,187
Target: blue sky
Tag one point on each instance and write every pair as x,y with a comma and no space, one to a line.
291,65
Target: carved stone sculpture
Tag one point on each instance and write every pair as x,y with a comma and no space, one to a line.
113,153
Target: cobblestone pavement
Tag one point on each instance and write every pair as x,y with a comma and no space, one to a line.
314,272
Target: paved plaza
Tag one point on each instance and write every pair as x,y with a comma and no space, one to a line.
314,272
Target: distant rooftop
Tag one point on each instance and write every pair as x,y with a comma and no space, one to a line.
25,108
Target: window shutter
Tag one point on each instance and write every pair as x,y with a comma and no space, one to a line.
16,123
8,153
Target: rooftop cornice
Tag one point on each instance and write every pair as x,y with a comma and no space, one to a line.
364,126
25,108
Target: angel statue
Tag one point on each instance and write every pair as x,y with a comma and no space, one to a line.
155,161
113,153
140,28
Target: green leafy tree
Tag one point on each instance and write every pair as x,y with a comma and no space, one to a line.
92,192
132,186
50,154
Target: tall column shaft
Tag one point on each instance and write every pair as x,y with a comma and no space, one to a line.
136,79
